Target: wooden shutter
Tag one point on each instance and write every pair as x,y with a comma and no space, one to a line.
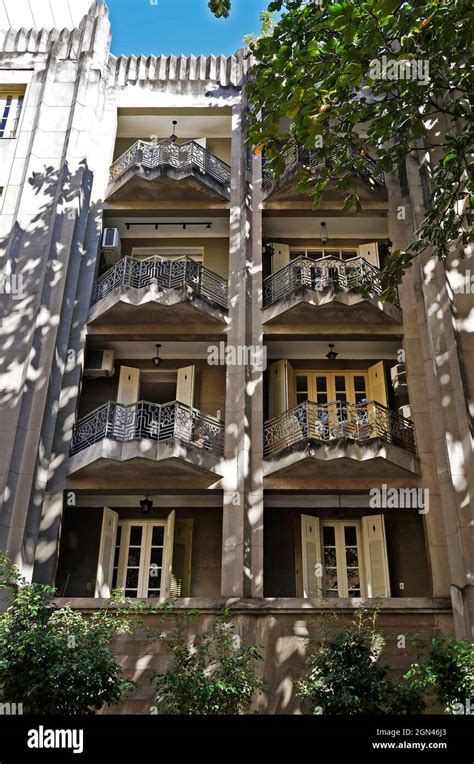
280,257
282,388
370,252
311,555
129,385
185,386
181,566
168,555
375,556
377,387
105,564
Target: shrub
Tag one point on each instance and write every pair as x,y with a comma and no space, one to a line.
343,675
54,660
446,673
211,673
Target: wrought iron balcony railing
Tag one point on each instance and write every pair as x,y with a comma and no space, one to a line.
306,273
330,422
307,158
152,421
165,274
182,156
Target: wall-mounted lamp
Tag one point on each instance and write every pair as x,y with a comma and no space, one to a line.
157,360
173,137
146,504
323,234
332,355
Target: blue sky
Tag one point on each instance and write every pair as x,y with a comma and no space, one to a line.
180,26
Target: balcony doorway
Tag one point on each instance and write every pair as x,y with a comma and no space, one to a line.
158,386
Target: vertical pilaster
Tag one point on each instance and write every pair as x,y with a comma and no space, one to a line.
242,543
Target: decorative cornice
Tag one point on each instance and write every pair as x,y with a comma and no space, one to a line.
226,70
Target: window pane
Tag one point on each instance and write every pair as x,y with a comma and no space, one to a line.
353,580
158,535
156,557
136,535
134,555
131,593
301,384
329,536
154,578
321,384
132,578
352,558
350,535
330,556
301,397
359,384
340,383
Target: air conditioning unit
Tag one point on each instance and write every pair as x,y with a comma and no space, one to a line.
111,245
405,411
99,363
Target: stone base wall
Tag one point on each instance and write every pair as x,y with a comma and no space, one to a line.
282,628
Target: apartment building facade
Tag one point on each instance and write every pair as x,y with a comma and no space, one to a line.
204,396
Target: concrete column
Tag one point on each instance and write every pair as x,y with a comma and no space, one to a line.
399,233
448,406
242,544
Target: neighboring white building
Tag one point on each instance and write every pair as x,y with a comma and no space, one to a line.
39,14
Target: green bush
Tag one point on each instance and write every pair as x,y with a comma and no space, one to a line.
211,673
446,673
54,660
343,675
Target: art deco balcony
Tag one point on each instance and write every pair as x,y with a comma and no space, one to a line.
338,290
150,171
119,446
339,440
296,158
143,291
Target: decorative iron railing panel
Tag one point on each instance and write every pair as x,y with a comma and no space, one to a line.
165,274
152,421
168,154
330,422
296,155
306,273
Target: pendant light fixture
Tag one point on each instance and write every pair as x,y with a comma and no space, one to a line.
332,355
146,504
173,137
157,360
323,234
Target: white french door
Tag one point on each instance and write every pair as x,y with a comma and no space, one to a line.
139,562
342,559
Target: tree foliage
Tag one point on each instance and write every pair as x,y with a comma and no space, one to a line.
395,68
343,674
212,674
220,8
445,672
55,660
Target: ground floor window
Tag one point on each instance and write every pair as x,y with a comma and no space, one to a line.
138,562
342,556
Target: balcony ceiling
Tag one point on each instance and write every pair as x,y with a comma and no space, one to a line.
331,307
155,186
343,465
145,464
140,307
